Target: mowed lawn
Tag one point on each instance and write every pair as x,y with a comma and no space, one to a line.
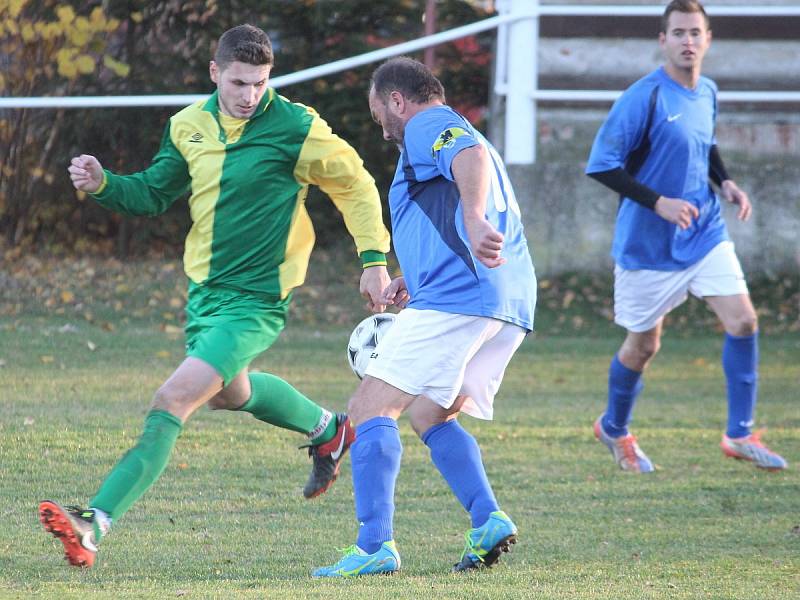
227,519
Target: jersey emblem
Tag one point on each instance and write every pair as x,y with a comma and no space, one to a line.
671,118
447,139
196,138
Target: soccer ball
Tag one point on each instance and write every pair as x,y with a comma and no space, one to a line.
365,338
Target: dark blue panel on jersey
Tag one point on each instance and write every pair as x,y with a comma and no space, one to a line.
438,198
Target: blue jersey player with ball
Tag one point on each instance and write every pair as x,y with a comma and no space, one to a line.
657,150
469,290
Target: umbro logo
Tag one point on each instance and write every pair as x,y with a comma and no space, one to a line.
196,138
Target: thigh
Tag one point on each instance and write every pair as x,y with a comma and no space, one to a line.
377,398
642,297
426,352
228,329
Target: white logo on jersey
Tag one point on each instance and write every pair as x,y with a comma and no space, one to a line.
671,118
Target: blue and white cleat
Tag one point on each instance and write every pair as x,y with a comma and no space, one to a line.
486,543
625,450
356,562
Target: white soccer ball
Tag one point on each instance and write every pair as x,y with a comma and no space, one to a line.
365,338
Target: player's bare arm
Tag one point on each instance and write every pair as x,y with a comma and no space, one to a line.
676,211
86,173
735,195
471,168
374,280
397,293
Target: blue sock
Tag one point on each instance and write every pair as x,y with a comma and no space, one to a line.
457,456
375,456
624,385
740,363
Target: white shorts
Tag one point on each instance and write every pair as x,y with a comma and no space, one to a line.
643,297
443,355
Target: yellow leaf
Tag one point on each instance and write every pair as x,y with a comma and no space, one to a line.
67,296
28,33
162,354
82,24
112,24
85,64
2,82
15,7
37,172
136,17
79,37
68,70
65,14
119,68
97,15
46,359
12,28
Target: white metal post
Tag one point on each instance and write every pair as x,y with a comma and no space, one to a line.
522,73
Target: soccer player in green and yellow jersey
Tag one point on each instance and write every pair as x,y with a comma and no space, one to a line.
247,155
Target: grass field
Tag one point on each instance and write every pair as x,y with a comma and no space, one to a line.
227,519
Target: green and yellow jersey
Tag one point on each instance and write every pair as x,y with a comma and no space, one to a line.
248,180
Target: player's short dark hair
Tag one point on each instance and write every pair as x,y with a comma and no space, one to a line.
683,6
243,43
409,77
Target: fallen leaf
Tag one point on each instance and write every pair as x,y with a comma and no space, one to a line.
46,359
91,345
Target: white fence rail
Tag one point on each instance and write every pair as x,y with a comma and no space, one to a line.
518,28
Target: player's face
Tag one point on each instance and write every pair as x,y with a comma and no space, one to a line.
393,126
686,40
240,87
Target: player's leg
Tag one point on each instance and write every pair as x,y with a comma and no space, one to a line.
455,452
375,456
229,331
722,285
641,299
189,387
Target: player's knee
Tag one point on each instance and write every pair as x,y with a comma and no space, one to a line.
743,325
170,399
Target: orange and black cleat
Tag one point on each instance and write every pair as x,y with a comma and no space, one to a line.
74,527
326,458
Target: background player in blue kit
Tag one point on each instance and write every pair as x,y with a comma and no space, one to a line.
657,150
470,290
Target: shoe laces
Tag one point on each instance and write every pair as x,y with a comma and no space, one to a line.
470,548
629,446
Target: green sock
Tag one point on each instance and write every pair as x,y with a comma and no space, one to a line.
139,468
274,401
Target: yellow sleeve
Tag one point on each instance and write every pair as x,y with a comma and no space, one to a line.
327,161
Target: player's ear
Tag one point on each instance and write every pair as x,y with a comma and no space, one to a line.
213,71
397,102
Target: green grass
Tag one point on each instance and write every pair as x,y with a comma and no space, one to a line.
227,519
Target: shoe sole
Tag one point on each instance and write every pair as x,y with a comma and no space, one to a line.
501,547
57,523
733,454
322,490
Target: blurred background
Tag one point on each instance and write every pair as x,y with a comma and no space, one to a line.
116,47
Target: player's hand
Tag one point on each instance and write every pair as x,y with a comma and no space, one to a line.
734,195
374,280
397,293
676,211
486,242
86,173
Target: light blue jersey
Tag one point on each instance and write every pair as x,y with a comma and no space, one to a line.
681,135
428,228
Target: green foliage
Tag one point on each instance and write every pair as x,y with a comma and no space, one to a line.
163,47
48,48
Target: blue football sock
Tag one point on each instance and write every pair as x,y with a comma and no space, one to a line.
375,456
457,456
740,363
624,385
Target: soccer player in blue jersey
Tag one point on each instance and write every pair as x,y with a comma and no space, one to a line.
469,289
657,150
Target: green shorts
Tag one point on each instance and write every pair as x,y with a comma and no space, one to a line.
228,329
